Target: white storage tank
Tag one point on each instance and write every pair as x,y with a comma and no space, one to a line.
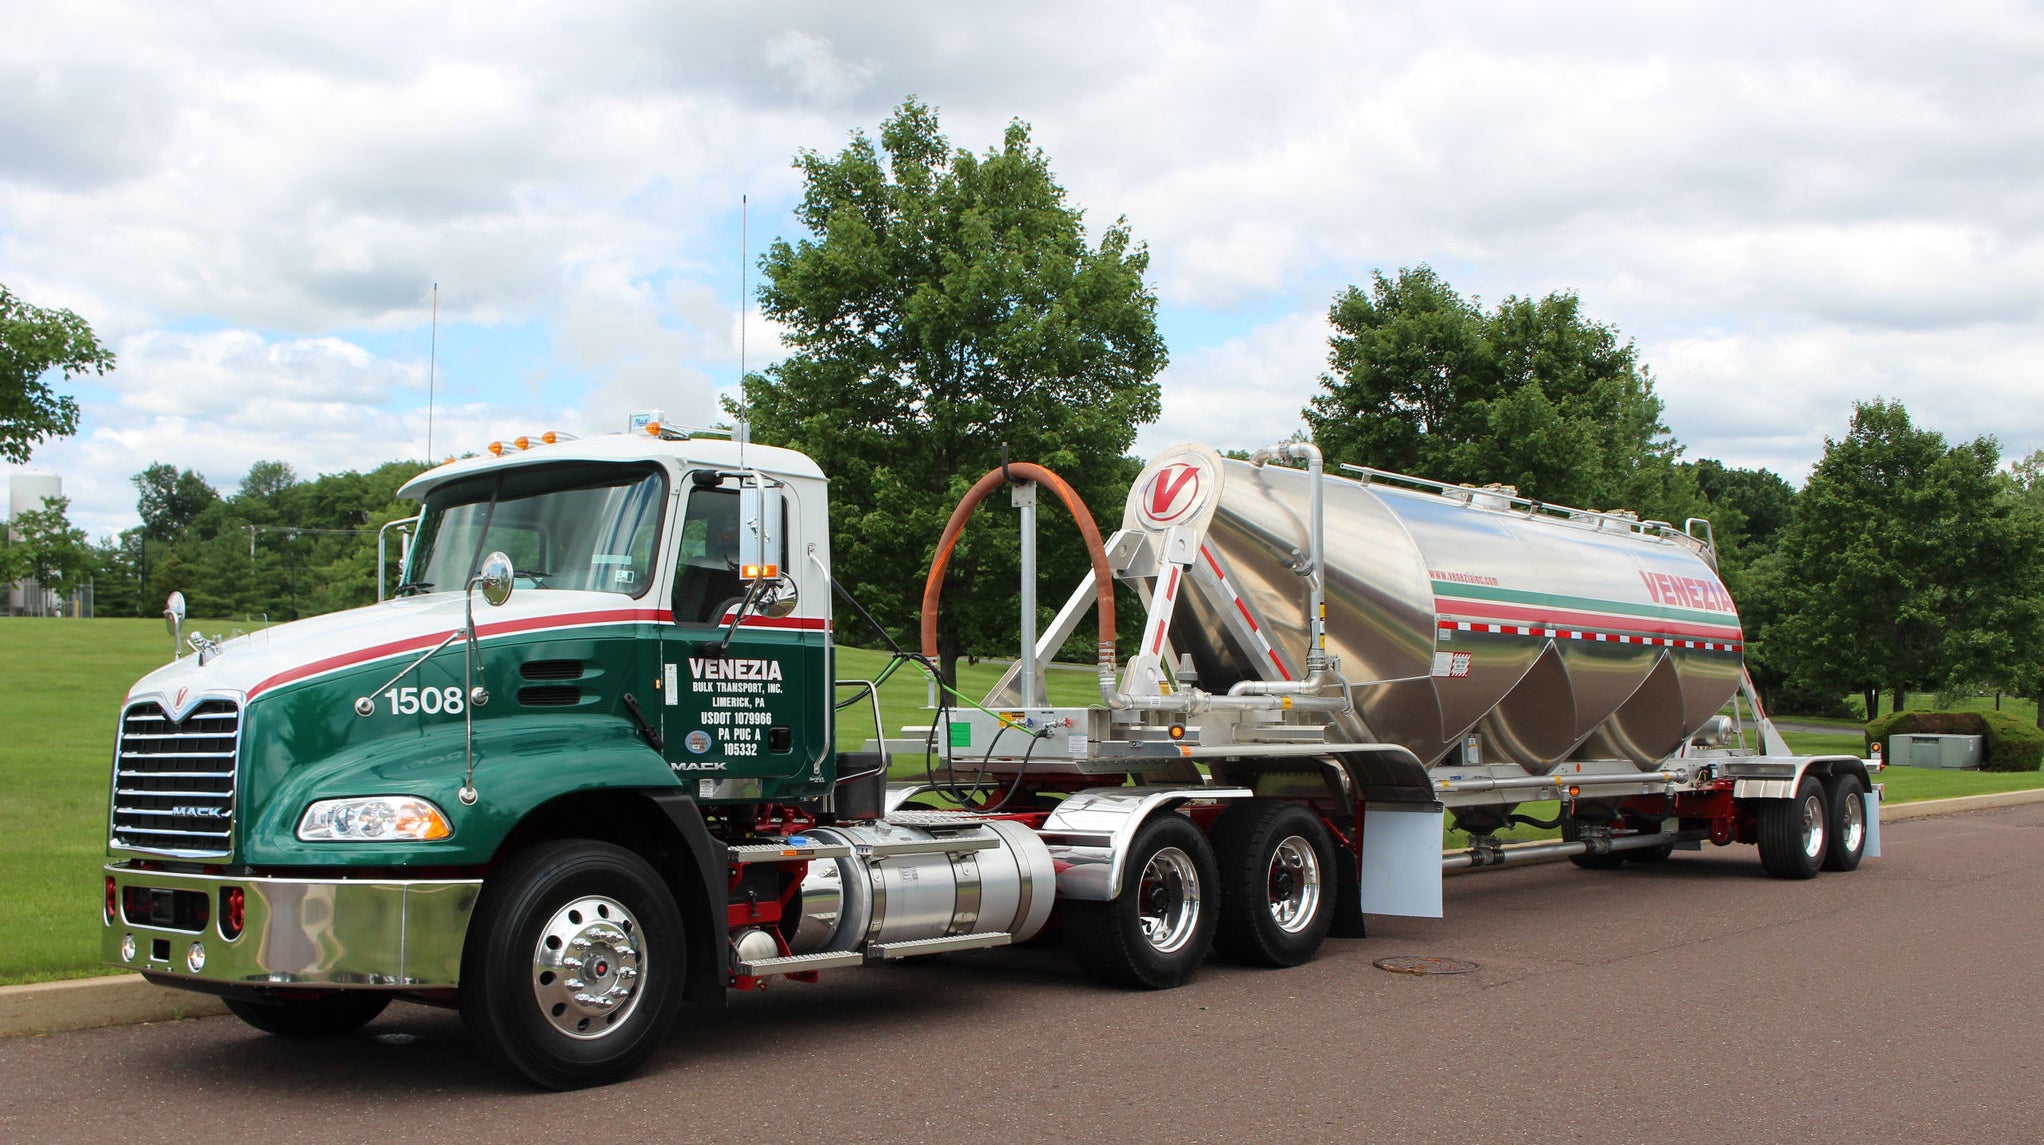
26,493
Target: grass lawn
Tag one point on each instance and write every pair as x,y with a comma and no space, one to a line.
60,697
1827,743
61,685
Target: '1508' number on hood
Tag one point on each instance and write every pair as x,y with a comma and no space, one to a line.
432,701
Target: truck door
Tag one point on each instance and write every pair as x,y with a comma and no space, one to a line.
737,701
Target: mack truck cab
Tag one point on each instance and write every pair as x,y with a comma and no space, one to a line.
581,768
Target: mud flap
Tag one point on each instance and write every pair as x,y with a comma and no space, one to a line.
1402,860
1873,799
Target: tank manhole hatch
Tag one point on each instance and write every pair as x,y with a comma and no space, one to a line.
1418,964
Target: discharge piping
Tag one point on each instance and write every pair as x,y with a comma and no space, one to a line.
1316,581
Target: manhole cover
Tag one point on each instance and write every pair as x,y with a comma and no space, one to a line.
1415,964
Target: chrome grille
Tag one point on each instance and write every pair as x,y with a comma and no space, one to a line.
174,780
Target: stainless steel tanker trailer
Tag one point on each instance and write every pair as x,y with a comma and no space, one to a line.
616,785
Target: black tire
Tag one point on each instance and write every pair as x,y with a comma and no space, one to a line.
340,1012
1277,883
1793,832
1157,931
1844,799
1610,861
517,1000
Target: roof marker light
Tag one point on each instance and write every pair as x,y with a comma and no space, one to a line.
497,449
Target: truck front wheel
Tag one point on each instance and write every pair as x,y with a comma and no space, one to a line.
572,972
1157,931
324,1016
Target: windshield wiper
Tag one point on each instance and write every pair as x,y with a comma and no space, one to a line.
411,586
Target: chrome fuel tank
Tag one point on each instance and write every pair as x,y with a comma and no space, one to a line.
1456,613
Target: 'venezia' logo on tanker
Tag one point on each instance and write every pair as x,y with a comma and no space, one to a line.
1687,592
1173,493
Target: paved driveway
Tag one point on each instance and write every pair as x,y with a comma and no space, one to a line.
1696,1001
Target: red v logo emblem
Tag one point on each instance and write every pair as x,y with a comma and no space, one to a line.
1165,489
1173,491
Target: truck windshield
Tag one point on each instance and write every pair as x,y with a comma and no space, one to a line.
592,527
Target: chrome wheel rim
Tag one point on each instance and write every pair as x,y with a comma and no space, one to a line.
1168,900
1855,825
586,966
1813,826
1294,885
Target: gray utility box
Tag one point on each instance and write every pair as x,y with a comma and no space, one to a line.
1935,750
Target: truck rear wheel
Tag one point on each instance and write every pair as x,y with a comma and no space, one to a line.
1157,931
338,1012
1277,883
1845,796
1792,832
572,972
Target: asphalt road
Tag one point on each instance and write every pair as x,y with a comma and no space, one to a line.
1696,1001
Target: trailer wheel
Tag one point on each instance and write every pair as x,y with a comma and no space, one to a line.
572,972
1844,796
1277,883
1792,832
338,1012
1157,931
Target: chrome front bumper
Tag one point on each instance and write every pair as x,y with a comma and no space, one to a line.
295,932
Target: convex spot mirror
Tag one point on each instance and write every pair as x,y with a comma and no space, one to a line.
782,600
495,578
174,612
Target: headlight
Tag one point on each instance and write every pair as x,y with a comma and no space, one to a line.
373,819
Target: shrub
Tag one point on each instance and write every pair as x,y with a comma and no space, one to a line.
2011,744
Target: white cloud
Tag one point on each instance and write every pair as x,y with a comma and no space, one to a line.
814,69
1244,393
1789,206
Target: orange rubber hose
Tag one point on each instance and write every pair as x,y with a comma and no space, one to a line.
1103,577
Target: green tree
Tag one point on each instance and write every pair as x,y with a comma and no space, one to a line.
267,481
34,342
51,551
1749,507
1897,563
1530,394
946,304
2018,665
170,499
279,547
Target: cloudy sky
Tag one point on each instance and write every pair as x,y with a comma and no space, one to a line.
1790,206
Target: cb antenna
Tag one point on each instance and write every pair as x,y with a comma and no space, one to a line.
744,426
432,363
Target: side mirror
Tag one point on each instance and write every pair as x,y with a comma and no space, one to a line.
759,532
174,620
495,578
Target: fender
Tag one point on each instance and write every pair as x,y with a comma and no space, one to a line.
1090,833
